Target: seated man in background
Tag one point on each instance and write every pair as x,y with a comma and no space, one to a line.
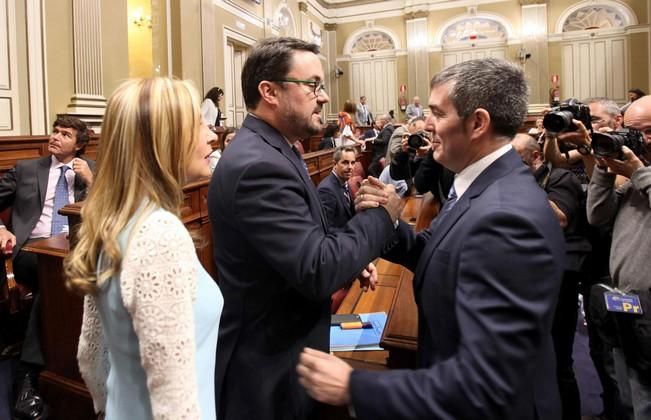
334,191
36,189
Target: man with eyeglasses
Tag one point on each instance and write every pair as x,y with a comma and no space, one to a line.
278,261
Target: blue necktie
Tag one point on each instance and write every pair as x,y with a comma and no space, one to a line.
346,192
452,199
61,195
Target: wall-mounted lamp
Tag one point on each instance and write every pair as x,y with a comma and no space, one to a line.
140,20
523,56
338,72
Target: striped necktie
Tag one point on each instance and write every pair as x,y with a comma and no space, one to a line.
61,195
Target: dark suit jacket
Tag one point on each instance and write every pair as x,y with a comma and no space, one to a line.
337,210
277,268
23,188
486,281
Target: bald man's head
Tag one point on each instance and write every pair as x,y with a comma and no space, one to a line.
528,149
638,116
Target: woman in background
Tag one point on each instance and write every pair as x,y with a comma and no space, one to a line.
330,134
151,312
214,157
210,107
346,125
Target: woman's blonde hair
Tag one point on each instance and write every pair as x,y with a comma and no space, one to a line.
148,137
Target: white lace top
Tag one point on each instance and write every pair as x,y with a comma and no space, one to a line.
148,339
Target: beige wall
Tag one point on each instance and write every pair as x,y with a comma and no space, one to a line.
639,61
122,59
115,44
59,55
23,71
140,40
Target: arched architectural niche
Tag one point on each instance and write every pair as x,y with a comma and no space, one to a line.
467,30
371,40
591,15
284,21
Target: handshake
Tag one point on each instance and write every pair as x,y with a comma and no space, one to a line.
374,193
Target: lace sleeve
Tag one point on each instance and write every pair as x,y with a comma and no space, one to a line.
92,354
158,285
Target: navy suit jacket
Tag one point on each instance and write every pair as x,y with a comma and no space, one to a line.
486,281
337,210
277,267
23,188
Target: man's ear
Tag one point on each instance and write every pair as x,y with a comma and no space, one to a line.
268,92
477,124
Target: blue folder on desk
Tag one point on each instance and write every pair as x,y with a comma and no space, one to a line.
359,339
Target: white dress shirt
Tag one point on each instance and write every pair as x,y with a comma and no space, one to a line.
43,227
467,176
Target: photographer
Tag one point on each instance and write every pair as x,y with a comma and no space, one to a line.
629,206
565,197
603,115
418,163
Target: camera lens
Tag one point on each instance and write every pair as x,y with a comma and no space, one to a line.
606,145
558,121
415,141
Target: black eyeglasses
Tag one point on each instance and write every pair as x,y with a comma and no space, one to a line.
317,86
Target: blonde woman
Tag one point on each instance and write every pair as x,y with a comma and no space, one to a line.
151,312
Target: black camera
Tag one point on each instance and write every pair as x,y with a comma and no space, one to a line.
560,118
610,144
418,140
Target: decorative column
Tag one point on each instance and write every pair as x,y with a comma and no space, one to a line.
88,102
417,56
304,33
534,42
35,58
329,50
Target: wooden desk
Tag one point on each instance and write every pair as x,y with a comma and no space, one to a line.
394,283
60,382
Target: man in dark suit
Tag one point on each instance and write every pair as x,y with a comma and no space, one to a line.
35,190
380,144
334,191
277,262
486,273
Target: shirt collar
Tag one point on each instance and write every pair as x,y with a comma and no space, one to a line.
466,177
56,163
341,182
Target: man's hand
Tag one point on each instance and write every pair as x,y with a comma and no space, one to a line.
626,167
325,377
371,194
368,277
579,137
404,143
7,241
82,170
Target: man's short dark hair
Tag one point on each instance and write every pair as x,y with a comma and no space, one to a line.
330,130
270,59
83,136
495,85
336,156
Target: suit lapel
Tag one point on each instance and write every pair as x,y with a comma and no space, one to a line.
43,173
441,227
278,142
